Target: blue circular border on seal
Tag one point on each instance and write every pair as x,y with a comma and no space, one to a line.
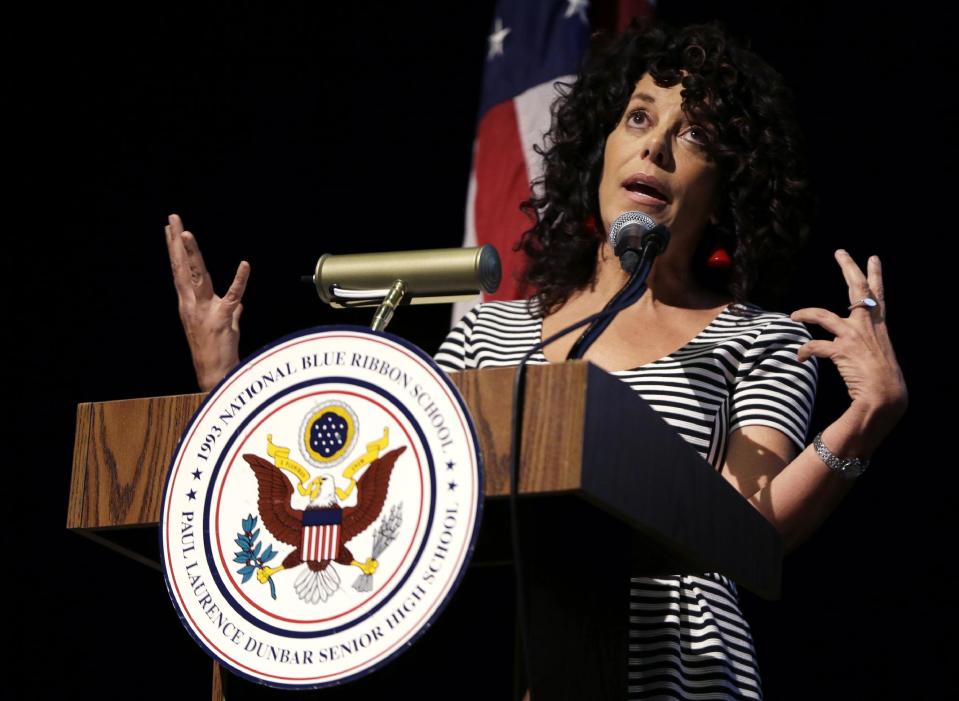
440,607
209,498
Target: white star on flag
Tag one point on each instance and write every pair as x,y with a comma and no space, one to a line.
514,114
577,7
496,39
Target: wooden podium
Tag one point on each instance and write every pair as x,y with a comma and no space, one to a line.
607,488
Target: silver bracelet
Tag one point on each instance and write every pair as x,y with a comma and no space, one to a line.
850,468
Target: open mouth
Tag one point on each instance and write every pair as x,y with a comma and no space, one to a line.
645,190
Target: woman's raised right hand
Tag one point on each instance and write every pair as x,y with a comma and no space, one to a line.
211,323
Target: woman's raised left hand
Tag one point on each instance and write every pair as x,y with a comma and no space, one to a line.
861,349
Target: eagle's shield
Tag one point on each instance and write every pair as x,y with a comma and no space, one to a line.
321,534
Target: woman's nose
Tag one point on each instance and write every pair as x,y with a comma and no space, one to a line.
656,149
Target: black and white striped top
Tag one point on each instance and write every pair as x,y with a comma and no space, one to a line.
688,639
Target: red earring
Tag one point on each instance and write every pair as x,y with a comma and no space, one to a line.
719,258
590,224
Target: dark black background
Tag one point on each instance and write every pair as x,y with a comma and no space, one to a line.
277,134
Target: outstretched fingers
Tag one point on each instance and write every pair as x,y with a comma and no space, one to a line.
855,280
211,323
200,280
830,321
179,264
235,321
862,286
861,349
819,348
874,268
234,295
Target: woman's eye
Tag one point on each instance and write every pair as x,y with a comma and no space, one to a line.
698,135
637,117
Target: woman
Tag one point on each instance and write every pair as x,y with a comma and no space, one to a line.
696,132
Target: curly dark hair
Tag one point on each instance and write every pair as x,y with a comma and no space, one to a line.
754,137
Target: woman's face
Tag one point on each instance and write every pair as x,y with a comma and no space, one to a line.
655,162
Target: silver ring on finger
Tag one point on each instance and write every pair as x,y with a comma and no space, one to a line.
866,303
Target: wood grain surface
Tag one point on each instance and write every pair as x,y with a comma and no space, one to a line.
122,450
552,426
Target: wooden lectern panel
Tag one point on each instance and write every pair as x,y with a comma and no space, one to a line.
588,441
585,433
552,428
122,450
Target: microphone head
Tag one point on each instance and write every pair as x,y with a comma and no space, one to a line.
629,220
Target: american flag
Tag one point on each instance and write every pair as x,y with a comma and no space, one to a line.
531,45
321,534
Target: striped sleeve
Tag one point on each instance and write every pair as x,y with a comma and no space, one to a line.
452,354
772,388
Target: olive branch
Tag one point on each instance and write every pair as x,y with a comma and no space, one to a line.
249,555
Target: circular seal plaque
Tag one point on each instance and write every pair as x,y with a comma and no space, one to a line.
321,507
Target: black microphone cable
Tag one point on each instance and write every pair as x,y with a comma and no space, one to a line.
629,293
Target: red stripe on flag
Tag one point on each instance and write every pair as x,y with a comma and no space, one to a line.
308,544
502,182
320,543
626,10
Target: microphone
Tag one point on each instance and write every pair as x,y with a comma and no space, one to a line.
636,240
634,235
431,276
